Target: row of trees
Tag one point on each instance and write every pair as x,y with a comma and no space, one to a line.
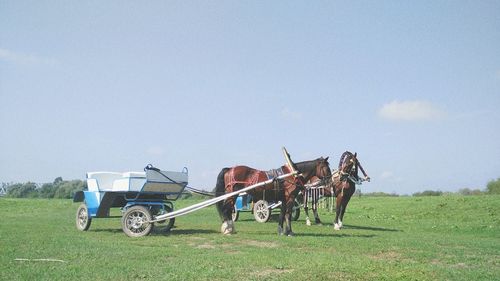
58,189
66,189
493,187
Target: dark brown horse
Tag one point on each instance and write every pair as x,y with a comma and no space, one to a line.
238,177
342,186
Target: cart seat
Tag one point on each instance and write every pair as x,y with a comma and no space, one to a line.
165,182
130,181
134,175
151,181
112,181
98,181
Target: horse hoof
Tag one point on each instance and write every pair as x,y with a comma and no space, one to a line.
308,222
223,228
227,228
291,234
336,227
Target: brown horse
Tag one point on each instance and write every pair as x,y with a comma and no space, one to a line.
238,177
342,186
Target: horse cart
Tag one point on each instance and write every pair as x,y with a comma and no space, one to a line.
145,198
262,206
140,195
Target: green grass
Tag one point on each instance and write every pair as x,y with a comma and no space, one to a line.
406,238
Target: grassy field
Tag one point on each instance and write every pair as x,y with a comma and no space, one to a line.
407,238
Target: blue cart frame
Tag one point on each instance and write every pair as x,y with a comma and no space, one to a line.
139,195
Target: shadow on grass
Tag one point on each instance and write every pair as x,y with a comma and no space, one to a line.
111,230
160,232
335,235
358,227
192,231
245,220
348,226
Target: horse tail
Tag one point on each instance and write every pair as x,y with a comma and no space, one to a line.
220,189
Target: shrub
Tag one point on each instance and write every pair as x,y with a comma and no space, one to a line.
429,193
493,187
467,191
23,190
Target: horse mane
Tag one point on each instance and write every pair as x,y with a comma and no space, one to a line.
307,165
344,157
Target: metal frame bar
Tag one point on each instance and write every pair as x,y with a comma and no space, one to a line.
201,205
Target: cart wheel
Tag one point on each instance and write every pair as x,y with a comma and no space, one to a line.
164,225
236,214
261,211
83,219
296,211
135,221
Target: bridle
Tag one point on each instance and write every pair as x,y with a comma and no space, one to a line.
352,175
325,171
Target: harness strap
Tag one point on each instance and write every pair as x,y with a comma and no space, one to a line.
362,170
232,181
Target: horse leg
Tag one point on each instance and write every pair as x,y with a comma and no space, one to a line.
315,207
338,210
227,227
281,219
306,206
344,207
308,221
288,218
316,216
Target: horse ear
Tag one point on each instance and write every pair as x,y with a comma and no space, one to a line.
355,154
326,159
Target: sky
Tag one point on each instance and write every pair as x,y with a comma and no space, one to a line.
412,86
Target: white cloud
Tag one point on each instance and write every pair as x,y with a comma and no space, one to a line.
291,115
25,59
410,111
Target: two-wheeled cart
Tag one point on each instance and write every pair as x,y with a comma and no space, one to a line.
140,195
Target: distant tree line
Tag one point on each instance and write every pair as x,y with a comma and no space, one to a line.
66,189
57,189
493,187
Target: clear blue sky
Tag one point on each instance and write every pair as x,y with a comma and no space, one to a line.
413,87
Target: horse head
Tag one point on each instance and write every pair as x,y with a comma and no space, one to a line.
349,165
315,168
323,169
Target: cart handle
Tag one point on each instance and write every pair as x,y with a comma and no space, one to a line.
151,167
